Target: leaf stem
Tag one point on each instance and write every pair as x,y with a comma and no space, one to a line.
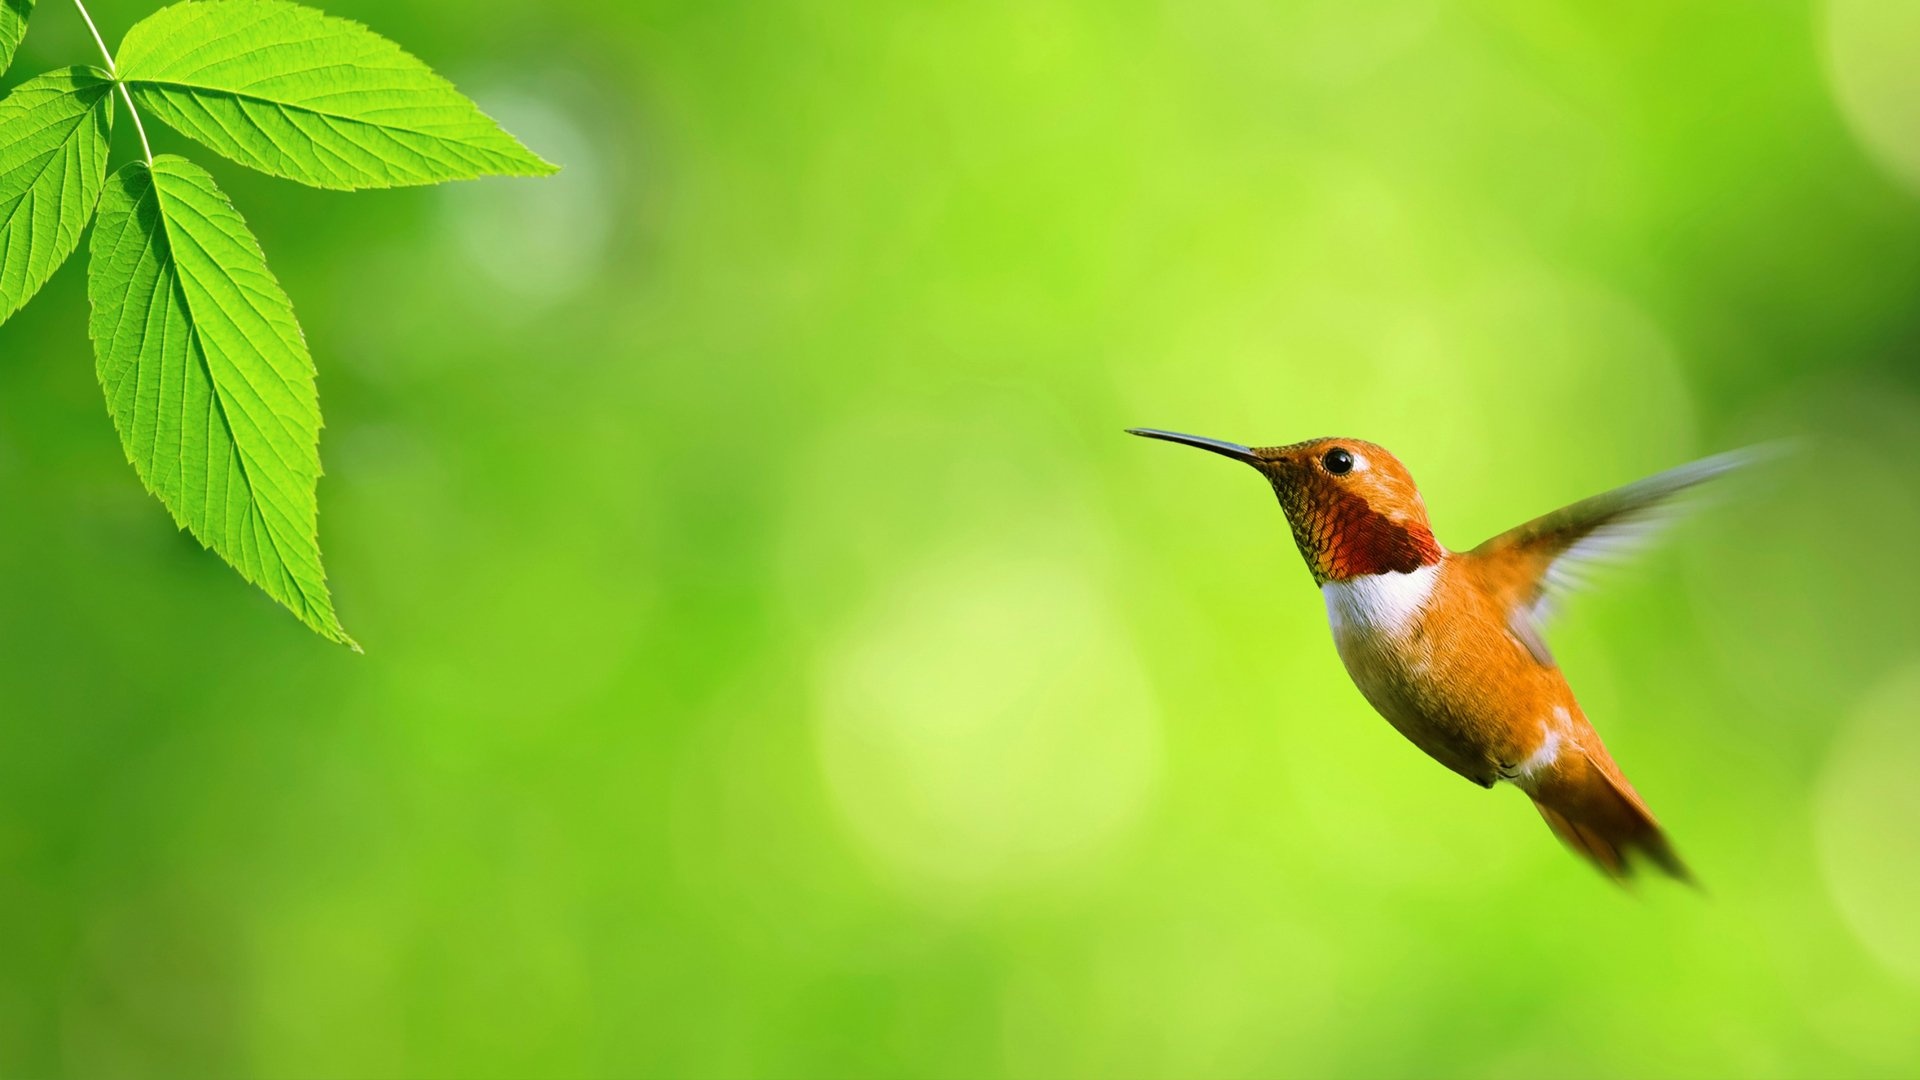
145,147
125,95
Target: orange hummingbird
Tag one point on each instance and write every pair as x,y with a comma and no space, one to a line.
1447,646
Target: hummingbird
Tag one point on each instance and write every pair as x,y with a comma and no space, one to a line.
1447,645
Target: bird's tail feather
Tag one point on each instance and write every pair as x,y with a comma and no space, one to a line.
1594,811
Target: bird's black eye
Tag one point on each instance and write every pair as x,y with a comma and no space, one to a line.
1338,462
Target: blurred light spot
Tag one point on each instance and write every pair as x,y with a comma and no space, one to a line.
1868,820
1789,607
542,239
1339,43
1568,373
1871,46
984,724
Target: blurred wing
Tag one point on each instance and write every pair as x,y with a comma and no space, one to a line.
1553,555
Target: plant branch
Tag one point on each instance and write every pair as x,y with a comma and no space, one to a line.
125,94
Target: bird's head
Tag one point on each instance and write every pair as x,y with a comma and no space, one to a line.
1353,507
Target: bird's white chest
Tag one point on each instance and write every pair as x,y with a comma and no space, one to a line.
1372,617
1378,607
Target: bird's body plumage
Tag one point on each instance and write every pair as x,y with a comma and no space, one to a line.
1447,645
1440,664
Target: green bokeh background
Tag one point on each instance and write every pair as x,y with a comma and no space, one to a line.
778,664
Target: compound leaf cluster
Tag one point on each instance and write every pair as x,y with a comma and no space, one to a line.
204,366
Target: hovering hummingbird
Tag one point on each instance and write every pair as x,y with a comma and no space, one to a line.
1447,646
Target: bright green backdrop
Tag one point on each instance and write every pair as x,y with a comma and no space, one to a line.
779,664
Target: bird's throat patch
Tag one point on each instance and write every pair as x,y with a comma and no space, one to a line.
1344,537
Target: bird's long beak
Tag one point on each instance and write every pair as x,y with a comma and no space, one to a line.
1225,449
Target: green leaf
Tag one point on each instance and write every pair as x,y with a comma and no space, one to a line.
208,379
297,93
54,130
13,27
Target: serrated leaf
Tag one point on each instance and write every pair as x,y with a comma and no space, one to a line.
54,130
297,93
13,27
207,377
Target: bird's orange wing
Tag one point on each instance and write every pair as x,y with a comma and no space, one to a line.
1551,555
